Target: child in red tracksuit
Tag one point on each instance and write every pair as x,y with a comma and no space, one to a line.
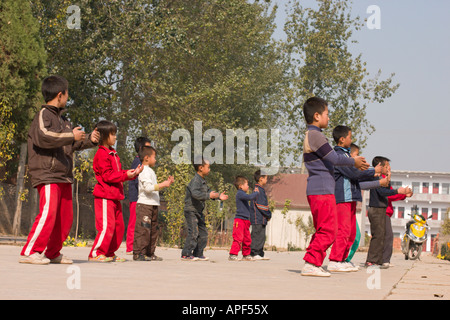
108,193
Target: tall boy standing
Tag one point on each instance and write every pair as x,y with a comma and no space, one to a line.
51,143
259,216
197,192
320,159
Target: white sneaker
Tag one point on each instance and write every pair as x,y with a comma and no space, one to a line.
350,266
61,260
257,257
35,258
312,270
335,266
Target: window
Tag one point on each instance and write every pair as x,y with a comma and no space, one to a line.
401,212
445,188
425,212
396,184
435,213
425,186
436,188
416,187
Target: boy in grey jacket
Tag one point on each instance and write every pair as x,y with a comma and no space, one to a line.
197,192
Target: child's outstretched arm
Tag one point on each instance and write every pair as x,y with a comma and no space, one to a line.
44,136
317,147
245,196
133,173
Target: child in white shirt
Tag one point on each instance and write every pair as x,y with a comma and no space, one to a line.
146,232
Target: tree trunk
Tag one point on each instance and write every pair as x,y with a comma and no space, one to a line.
19,189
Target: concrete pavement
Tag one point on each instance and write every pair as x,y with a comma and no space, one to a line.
217,279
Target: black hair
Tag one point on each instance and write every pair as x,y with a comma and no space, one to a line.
379,159
146,151
353,147
140,142
198,162
257,175
105,128
340,132
239,181
52,85
313,105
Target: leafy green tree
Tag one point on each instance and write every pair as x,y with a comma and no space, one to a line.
156,66
317,48
22,66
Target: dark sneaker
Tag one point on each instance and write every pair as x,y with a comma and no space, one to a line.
141,257
189,258
202,258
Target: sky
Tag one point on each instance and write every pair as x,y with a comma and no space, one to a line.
412,126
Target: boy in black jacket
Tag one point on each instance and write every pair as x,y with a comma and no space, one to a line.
377,214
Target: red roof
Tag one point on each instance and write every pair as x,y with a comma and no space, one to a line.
290,186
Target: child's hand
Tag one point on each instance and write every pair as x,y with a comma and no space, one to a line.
378,169
164,184
360,163
95,136
167,183
78,134
135,172
213,195
409,192
256,190
223,196
402,190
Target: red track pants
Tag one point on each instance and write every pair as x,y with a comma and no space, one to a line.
323,210
52,225
241,237
346,220
110,227
131,225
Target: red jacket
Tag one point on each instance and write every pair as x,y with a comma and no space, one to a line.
109,174
395,197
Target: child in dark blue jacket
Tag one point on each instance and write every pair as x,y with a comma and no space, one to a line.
347,193
241,225
259,216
